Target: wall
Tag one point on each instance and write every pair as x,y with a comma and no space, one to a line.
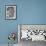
28,12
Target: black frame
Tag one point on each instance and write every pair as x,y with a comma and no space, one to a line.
5,12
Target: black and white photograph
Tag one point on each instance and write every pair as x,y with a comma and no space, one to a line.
10,12
31,34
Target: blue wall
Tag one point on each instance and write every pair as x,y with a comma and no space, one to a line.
28,12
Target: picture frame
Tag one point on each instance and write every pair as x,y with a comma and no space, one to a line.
39,28
10,12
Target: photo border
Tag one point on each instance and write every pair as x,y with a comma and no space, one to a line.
19,26
5,12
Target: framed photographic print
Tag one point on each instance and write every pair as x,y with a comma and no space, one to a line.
10,12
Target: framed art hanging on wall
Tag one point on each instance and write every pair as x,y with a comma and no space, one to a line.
10,12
